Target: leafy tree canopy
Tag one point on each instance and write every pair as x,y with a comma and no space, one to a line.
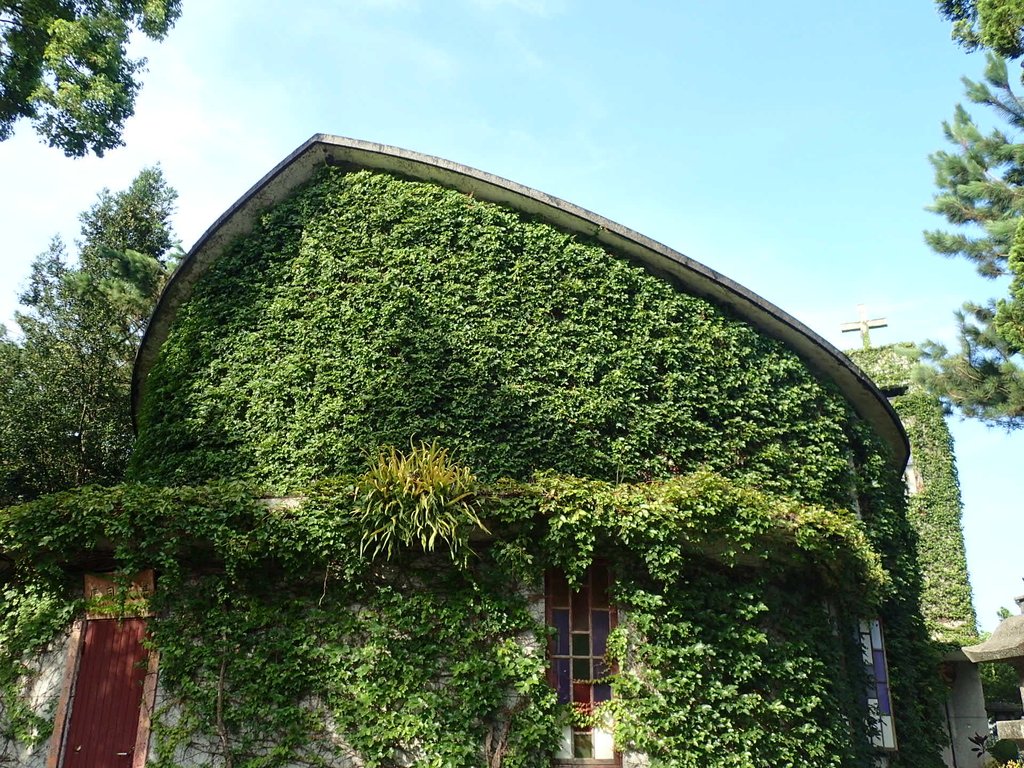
64,384
981,192
993,24
64,66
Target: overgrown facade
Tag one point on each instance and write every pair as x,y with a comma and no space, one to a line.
386,400
935,510
934,494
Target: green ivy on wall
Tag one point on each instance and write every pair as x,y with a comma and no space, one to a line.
603,412
935,511
282,639
367,310
35,610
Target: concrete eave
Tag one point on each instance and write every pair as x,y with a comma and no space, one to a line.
690,275
1005,644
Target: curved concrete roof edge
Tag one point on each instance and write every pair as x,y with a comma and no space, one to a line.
321,149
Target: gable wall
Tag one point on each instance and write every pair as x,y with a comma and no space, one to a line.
371,310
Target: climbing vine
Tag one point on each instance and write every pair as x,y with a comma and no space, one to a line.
603,413
369,309
934,505
283,641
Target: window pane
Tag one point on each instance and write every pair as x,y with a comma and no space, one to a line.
580,644
599,583
879,665
581,694
581,669
581,610
558,589
602,692
876,634
560,618
600,621
562,680
604,746
884,707
582,744
865,648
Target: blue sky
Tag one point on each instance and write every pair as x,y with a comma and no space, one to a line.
782,144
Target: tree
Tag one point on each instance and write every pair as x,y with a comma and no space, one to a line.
981,191
993,24
65,384
64,65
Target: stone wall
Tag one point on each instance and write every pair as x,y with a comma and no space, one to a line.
41,693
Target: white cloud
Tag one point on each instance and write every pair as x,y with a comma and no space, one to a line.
385,5
535,7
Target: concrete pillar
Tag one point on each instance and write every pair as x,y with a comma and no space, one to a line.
965,711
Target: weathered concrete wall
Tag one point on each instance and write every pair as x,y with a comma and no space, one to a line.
41,693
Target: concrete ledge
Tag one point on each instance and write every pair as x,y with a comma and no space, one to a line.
1005,644
1012,730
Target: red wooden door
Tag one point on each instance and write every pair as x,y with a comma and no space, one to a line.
105,710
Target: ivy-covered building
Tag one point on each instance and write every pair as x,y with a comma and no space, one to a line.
934,493
436,470
934,511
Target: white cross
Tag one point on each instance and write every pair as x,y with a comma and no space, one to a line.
863,325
